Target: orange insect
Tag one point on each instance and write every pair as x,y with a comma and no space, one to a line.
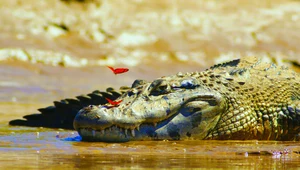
118,70
114,103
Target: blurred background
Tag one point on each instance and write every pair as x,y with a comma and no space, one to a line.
60,48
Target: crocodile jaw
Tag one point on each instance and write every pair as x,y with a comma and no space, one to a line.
168,117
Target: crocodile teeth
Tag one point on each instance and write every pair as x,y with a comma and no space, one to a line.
155,124
94,133
132,132
138,128
125,131
102,131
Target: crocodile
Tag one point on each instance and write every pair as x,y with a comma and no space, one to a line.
243,99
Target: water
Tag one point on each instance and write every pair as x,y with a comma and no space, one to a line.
40,148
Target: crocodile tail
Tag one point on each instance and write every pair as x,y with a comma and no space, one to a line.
62,113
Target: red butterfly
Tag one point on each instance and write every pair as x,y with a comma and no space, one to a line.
114,103
118,70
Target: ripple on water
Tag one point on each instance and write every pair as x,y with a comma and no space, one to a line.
42,147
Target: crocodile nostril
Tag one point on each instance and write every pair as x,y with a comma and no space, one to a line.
85,110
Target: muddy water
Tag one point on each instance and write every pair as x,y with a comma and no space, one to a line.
47,148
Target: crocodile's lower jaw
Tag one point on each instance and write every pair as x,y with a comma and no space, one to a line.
146,131
117,134
100,136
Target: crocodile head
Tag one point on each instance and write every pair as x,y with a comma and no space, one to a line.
175,107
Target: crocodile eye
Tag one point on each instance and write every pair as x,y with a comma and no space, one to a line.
162,88
159,87
159,90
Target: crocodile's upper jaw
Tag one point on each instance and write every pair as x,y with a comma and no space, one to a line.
168,108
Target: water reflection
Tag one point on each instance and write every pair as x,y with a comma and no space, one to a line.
48,150
104,160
